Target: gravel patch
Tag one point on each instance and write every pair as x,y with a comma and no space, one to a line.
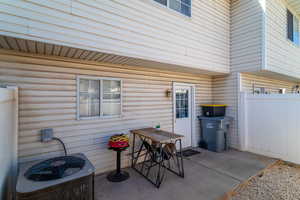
280,182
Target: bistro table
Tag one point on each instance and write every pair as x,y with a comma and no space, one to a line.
157,152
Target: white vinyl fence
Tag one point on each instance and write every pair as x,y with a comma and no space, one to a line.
8,141
270,125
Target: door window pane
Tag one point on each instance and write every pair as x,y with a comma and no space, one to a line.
182,103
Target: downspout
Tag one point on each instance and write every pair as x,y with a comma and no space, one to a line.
238,94
264,36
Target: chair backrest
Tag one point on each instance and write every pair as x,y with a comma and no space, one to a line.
155,153
151,151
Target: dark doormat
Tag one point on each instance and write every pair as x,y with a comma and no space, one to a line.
189,152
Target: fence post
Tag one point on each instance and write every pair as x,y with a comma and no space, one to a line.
242,121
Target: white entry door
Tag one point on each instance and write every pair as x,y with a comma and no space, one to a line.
183,112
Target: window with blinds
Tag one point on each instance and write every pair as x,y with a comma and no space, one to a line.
181,6
98,97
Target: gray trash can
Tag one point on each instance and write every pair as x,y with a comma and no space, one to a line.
214,132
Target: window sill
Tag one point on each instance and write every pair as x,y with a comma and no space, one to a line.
292,43
167,9
99,117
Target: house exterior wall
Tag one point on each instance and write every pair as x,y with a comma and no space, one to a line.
47,99
141,29
295,4
246,35
271,84
282,56
259,38
225,91
246,55
237,35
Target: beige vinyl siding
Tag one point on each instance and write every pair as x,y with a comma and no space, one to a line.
282,55
295,4
246,37
140,29
40,48
47,88
225,89
272,85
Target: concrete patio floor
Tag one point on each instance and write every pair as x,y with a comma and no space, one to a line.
208,176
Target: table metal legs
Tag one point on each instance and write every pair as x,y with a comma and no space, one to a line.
132,150
177,159
152,161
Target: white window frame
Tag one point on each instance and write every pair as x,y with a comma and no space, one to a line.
168,7
101,97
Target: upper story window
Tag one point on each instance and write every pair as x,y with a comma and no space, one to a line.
182,6
292,27
98,97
